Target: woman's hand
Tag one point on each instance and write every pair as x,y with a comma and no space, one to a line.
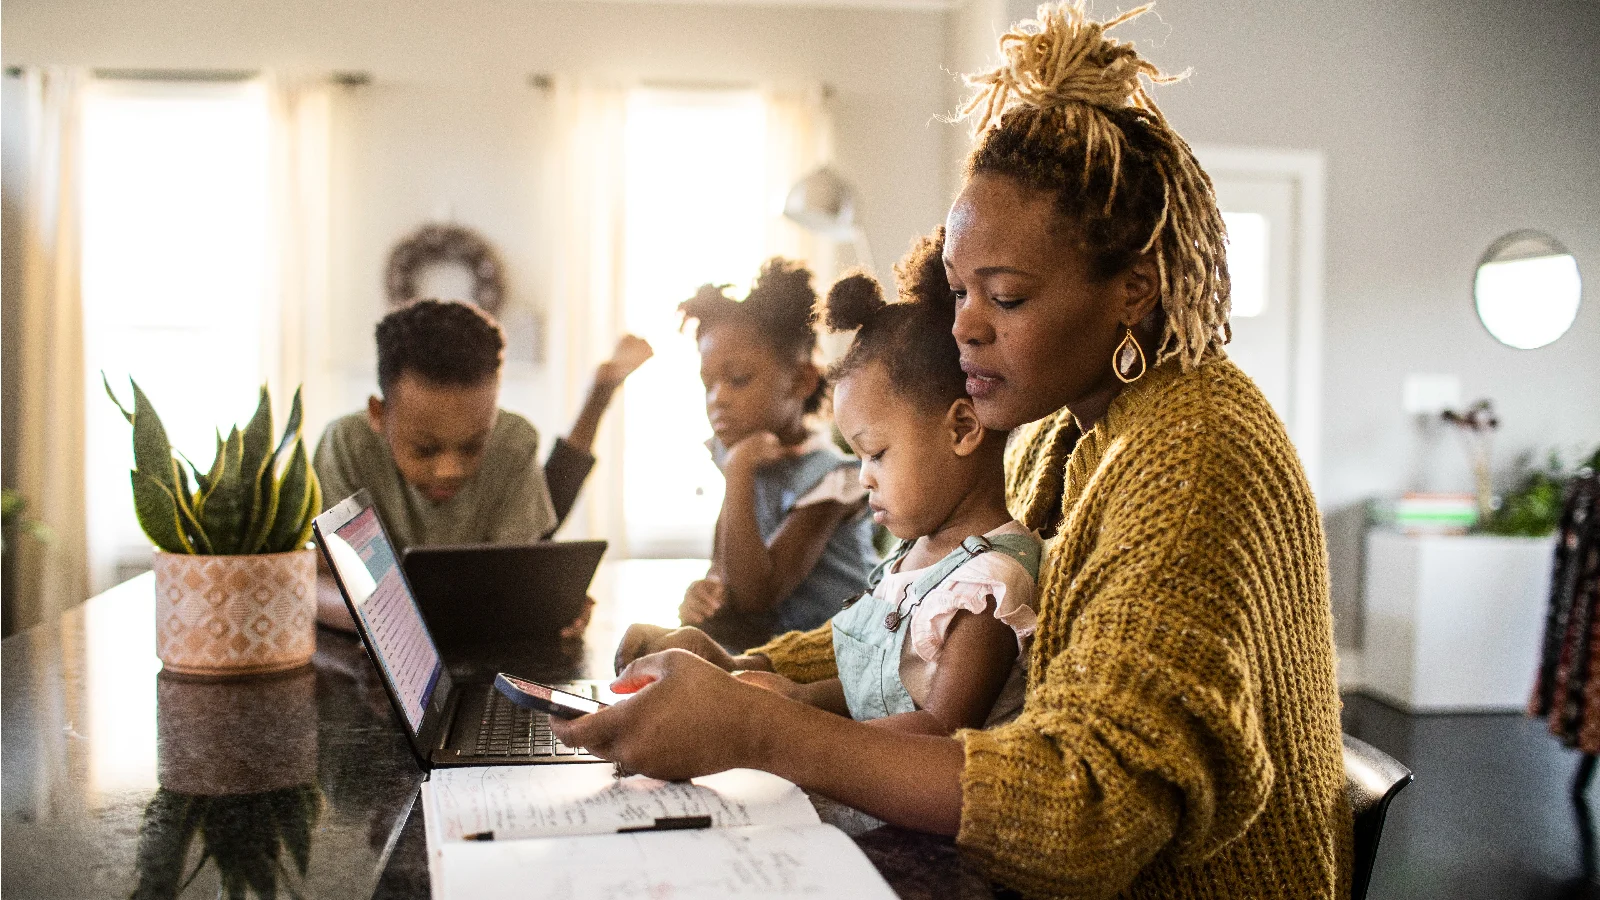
687,718
771,681
704,599
643,640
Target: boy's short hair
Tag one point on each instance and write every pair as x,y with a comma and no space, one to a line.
445,342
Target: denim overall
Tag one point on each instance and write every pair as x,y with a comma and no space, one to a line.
867,650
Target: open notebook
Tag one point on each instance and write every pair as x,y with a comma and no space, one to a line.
537,832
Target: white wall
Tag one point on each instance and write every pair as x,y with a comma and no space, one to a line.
1444,125
450,123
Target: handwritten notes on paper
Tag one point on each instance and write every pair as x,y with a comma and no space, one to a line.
555,838
816,861
547,801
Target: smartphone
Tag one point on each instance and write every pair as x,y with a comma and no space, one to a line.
544,698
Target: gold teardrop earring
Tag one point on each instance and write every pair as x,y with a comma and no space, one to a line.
1123,358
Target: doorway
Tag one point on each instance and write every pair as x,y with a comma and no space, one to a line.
1272,202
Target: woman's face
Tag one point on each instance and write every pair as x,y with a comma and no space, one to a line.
748,388
1036,331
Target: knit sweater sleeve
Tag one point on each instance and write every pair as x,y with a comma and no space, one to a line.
804,656
1141,733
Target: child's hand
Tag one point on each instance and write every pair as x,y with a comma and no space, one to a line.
773,682
702,600
574,630
630,353
755,451
643,640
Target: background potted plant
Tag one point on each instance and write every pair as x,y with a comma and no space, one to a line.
235,582
1533,508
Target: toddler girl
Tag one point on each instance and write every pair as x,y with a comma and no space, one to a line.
935,644
792,539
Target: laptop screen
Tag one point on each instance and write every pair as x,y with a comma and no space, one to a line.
367,568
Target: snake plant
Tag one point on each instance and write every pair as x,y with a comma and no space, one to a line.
255,498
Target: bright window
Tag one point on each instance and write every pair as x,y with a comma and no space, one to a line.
696,212
1248,251
175,245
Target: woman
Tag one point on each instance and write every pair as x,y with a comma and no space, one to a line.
1180,736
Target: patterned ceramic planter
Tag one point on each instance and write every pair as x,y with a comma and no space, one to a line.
236,615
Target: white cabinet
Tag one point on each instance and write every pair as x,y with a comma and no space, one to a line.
1455,623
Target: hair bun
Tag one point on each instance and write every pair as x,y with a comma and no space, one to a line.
853,301
1060,59
709,293
783,281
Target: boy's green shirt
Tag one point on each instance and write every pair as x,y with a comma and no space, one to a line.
505,502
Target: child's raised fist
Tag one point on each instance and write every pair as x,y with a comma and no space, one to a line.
629,354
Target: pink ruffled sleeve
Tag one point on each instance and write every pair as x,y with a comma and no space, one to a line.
969,588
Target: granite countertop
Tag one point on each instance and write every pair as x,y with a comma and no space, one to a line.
119,779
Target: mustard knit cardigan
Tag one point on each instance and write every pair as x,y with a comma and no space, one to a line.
1180,737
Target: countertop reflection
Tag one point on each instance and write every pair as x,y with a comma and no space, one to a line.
122,781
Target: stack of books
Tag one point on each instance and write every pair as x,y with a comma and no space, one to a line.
1417,513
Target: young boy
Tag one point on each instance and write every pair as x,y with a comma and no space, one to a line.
443,463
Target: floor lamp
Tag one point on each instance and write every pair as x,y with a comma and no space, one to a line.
824,203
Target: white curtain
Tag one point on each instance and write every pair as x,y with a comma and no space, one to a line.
584,205
50,434
297,334
799,139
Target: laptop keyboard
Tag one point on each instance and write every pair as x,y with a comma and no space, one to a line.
510,730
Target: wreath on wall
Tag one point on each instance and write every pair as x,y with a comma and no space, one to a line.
449,244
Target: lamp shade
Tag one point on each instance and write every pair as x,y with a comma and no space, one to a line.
824,203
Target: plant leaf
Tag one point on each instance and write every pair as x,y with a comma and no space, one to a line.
265,513
291,428
120,408
158,513
188,522
223,509
299,497
200,479
256,443
151,449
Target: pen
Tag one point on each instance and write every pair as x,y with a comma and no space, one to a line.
671,823
478,836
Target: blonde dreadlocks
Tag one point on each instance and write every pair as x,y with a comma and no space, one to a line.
1067,112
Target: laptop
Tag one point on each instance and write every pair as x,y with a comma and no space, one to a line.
501,608
449,722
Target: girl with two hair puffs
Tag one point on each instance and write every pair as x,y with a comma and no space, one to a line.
935,642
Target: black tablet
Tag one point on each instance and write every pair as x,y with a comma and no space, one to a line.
501,595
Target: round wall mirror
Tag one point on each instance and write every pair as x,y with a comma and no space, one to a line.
1527,289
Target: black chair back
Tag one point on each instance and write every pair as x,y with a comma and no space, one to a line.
1372,778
